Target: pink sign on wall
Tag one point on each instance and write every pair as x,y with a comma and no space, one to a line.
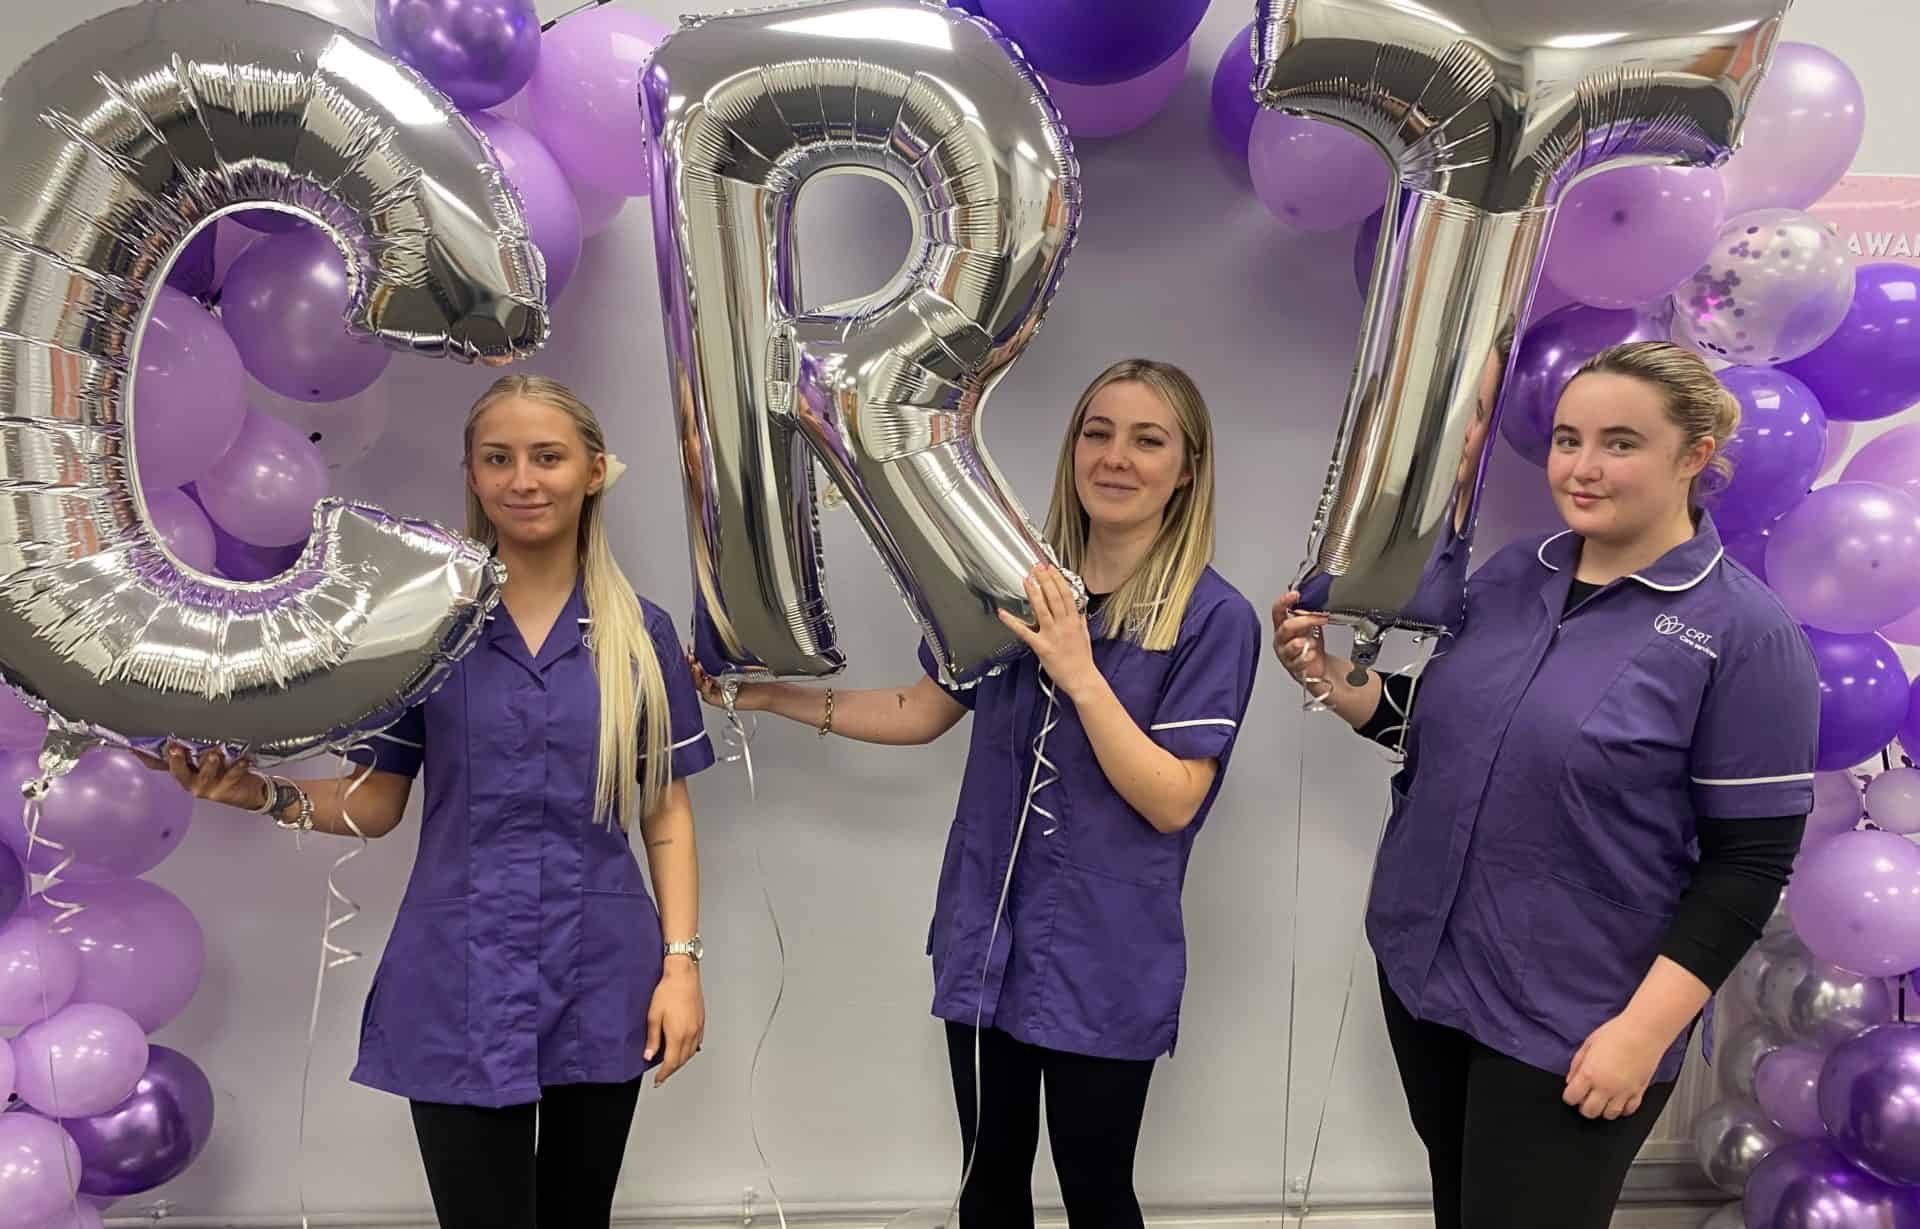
1878,217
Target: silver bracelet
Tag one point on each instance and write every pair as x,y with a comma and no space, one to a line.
285,794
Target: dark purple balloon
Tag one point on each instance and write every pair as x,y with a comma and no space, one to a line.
1808,1184
1547,357
1750,548
1870,1101
153,1135
1870,367
237,560
1777,453
479,52
1096,42
285,305
1234,107
1863,696
13,884
967,6
192,273
1366,249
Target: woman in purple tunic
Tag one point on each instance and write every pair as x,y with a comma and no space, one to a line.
529,979
1092,766
1607,772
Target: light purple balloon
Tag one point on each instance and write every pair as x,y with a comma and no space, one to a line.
189,395
114,815
1855,902
552,213
1096,111
1837,807
285,305
39,1170
1234,107
583,100
1801,132
1775,287
153,1135
478,52
1546,358
1776,453
1893,800
185,529
38,971
1904,631
84,1059
1315,175
1629,236
1847,559
1863,696
263,490
1870,1101
598,208
139,947
343,432
1891,459
1787,1085
1808,1184
20,726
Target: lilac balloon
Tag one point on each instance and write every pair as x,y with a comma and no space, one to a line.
1802,130
1096,42
1808,1184
343,432
1095,111
263,490
583,99
39,1170
1855,902
1893,801
1870,1101
139,947
237,560
38,971
114,815
598,208
1234,107
1870,367
13,890
84,1059
285,305
1904,631
1312,174
192,272
1892,459
1863,697
1787,1086
189,395
153,1135
1629,236
1546,358
553,216
1776,453
478,52
20,726
184,527
1847,559
1837,807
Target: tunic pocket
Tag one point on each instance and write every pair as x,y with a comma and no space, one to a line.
1589,954
419,1007
1120,953
620,965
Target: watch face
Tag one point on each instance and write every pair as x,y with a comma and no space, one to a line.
696,949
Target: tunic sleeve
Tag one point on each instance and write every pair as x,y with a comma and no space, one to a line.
691,750
1209,682
1758,734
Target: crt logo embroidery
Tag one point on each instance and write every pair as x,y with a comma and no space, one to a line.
1692,637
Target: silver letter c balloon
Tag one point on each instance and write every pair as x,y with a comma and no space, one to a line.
1489,111
886,393
121,139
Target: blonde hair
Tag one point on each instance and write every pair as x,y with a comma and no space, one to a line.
1148,606
1697,402
630,780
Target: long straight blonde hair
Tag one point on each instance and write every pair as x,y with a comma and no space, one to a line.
630,780
1148,606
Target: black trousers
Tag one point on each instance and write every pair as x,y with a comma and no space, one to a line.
1505,1151
1094,1110
550,1164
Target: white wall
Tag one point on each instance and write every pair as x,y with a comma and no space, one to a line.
1176,260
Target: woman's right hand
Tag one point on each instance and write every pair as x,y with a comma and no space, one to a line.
1299,641
233,784
748,697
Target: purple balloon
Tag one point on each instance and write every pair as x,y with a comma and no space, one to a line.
13,890
20,726
189,395
1870,1101
1234,106
192,272
1776,453
1096,42
967,6
184,527
114,815
270,221
84,1059
39,1171
6,1072
1801,133
1863,697
1855,902
263,490
285,304
553,216
1870,367
1910,727
1893,800
1096,111
1904,631
237,560
38,971
1839,439
153,1135
343,432
598,208
1315,175
1808,1184
1847,559
1629,236
139,947
1892,459
1546,358
583,99
1787,1086
478,52
1750,549
1837,807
